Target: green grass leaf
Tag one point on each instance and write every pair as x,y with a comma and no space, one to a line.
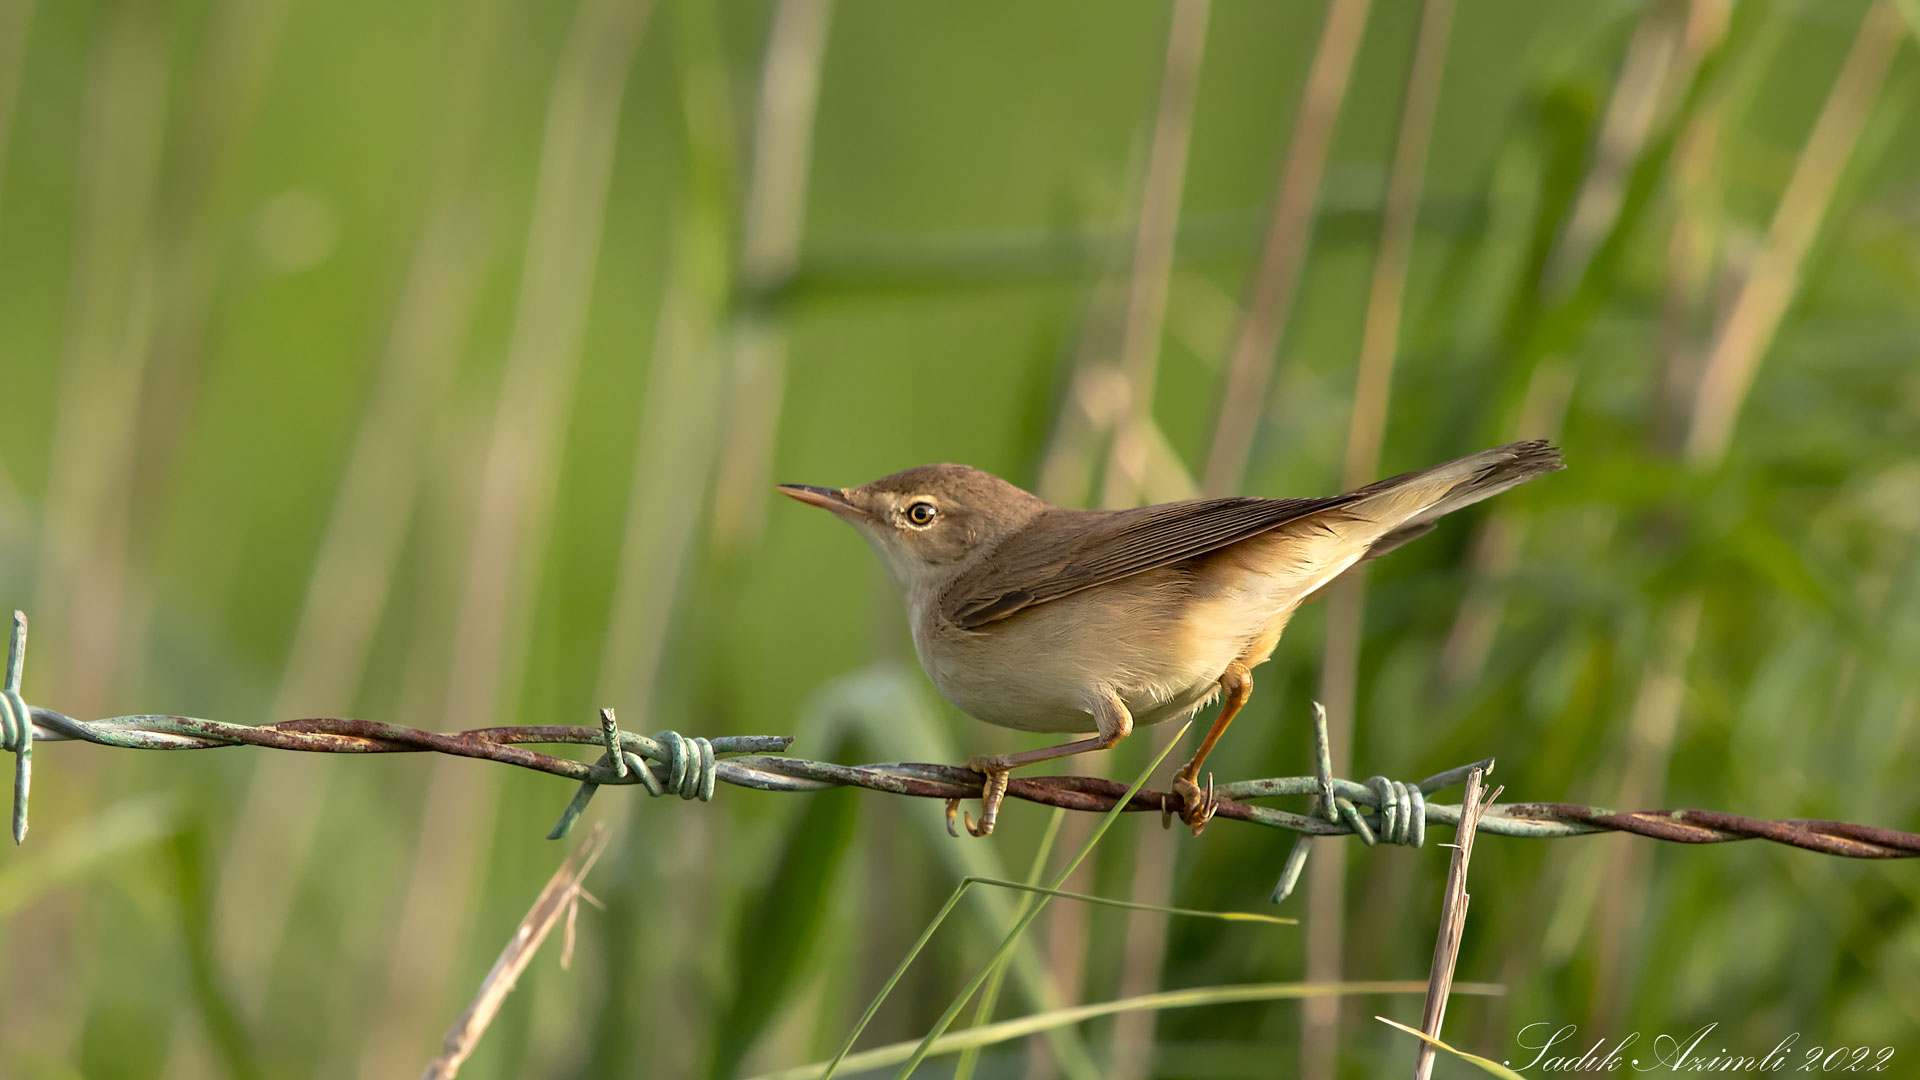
1492,1067
1007,943
990,993
1192,997
1020,925
774,944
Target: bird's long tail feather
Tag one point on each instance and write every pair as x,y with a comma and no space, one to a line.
1412,502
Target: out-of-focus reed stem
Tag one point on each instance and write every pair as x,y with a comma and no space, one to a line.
1662,58
1130,459
1775,276
1289,234
16,24
81,572
773,221
224,88
83,556
1732,363
1146,310
1366,432
516,483
353,574
683,421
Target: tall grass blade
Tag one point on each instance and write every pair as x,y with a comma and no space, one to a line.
776,944
1193,997
990,993
1020,925
1493,1068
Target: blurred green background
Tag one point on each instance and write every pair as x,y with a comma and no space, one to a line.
433,362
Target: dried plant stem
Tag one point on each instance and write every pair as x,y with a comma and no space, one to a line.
1453,922
561,897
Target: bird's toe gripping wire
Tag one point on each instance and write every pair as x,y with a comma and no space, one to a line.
1197,805
992,791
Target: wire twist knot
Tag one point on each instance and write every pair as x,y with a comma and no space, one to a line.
691,767
1402,807
16,725
1403,811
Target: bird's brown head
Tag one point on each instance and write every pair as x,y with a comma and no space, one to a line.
927,520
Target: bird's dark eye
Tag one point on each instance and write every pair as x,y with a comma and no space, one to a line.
922,514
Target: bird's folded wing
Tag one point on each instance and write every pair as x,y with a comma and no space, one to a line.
1042,563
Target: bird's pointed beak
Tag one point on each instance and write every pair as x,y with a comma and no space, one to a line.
834,499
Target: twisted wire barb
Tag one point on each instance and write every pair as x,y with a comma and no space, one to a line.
691,767
16,725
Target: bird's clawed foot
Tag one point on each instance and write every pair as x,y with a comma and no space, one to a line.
997,772
1197,807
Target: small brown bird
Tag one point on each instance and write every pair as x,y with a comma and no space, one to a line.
1039,618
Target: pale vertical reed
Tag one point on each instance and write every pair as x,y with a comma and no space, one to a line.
1088,413
772,222
1144,947
1651,76
223,89
346,596
682,416
517,479
1366,432
1154,238
1663,56
1282,255
82,580
16,25
84,585
1125,317
1732,363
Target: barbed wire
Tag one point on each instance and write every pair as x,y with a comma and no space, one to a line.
1378,810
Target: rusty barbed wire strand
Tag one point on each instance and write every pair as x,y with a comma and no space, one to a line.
668,763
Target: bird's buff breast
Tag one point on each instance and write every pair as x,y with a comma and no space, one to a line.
1042,669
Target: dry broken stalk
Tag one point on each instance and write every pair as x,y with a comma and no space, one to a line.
1453,921
561,897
